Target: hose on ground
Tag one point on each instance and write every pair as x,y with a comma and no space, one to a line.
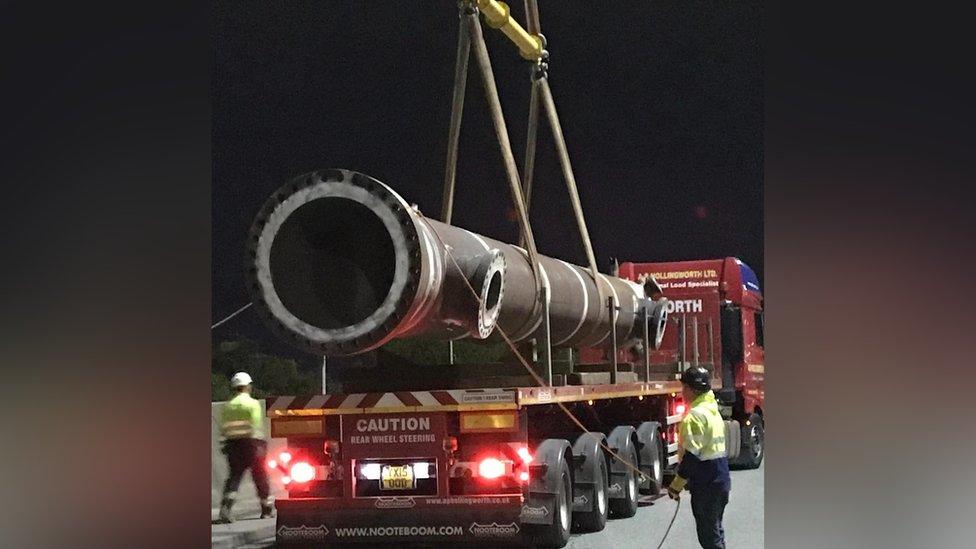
670,524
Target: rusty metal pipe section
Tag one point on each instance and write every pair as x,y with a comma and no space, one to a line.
341,264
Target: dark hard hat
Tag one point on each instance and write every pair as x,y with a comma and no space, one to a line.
697,378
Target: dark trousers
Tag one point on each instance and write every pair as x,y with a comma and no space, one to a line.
708,504
244,454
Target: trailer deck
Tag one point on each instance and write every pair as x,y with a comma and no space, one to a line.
458,400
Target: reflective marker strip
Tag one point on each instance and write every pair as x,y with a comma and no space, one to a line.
401,401
236,429
425,398
461,399
317,401
281,403
480,422
281,427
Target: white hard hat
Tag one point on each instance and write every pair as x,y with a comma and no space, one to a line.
240,379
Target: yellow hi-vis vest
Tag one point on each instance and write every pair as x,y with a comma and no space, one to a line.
242,417
702,431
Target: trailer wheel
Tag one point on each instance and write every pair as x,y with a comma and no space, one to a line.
595,520
557,533
753,443
626,506
652,460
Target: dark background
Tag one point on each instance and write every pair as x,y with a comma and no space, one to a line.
106,271
661,106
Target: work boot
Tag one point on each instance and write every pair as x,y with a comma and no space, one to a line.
267,508
225,507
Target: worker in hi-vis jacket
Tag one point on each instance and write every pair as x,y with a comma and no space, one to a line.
704,465
242,426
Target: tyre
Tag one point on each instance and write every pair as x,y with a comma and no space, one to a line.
652,458
732,442
596,519
626,506
753,441
557,533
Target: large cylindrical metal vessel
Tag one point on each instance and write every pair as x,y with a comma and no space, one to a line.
341,264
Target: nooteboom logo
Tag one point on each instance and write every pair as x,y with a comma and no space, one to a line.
304,533
494,530
395,503
534,511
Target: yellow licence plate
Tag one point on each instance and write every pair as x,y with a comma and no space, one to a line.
397,477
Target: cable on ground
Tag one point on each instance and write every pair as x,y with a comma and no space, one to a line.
670,524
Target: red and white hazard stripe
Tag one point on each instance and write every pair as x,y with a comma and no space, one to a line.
393,400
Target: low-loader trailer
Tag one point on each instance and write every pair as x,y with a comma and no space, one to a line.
421,460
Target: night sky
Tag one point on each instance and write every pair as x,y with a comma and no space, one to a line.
661,105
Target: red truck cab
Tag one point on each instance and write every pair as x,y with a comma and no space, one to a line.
715,320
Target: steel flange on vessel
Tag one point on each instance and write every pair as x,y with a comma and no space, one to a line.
341,264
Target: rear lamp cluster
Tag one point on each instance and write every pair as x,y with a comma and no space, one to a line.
296,471
492,468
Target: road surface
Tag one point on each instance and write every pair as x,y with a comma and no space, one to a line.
743,524
743,521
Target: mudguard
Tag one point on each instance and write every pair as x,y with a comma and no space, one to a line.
621,440
586,472
549,456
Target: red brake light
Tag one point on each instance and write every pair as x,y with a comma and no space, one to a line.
679,409
524,476
523,453
272,464
302,472
285,480
285,457
491,468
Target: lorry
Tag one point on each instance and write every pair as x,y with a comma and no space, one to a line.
576,423
423,459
